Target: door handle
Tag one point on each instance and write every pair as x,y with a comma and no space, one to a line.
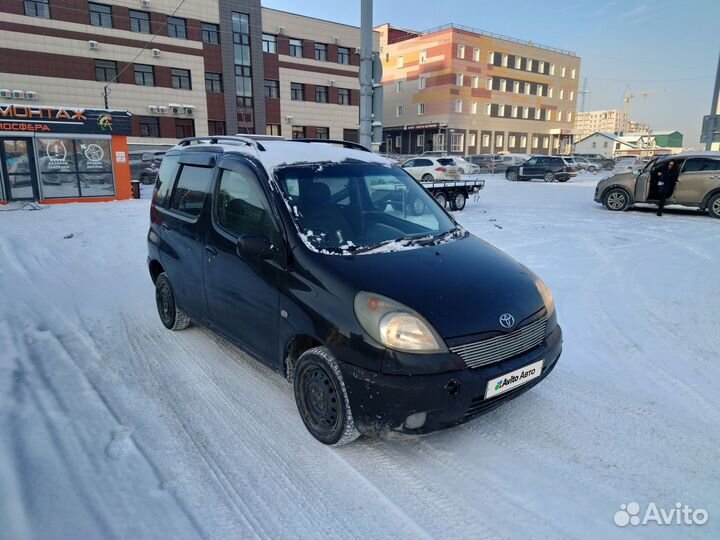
211,250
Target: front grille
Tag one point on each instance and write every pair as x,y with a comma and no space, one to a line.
502,347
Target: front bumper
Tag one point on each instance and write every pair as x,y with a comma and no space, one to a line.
381,403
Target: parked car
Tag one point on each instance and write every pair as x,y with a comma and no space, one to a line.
585,164
698,184
464,166
431,168
598,159
628,163
491,163
144,164
384,321
549,168
510,160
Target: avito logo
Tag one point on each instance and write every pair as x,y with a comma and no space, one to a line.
502,383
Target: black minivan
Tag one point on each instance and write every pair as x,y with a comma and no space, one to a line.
386,317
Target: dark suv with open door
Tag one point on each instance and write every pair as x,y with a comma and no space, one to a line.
385,317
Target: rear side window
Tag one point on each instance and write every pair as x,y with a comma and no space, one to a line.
701,165
165,180
192,186
241,207
446,161
423,163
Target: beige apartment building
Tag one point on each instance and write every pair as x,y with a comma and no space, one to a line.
610,121
464,90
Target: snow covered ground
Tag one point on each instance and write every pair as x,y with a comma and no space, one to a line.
113,427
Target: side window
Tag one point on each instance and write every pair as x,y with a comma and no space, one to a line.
410,163
423,163
701,165
165,180
532,161
241,206
192,186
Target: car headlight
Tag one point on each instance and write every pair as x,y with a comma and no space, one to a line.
547,296
396,326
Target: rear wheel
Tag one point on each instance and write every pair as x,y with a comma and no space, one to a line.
512,176
321,398
714,206
171,316
549,177
441,198
617,200
427,177
458,201
592,168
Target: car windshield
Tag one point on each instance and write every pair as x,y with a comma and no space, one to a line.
346,208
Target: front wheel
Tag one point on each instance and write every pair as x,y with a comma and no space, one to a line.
714,206
171,316
592,168
549,177
616,200
441,198
321,398
458,201
512,176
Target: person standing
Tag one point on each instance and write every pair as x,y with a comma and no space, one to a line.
666,184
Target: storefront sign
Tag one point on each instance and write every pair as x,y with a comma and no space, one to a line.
50,119
423,126
120,157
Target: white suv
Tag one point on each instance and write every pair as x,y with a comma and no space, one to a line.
431,168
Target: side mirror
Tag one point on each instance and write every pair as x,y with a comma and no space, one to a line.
254,246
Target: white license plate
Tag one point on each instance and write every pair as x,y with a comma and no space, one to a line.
500,385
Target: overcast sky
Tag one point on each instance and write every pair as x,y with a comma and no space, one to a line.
668,47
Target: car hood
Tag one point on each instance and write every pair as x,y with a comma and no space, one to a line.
626,179
461,287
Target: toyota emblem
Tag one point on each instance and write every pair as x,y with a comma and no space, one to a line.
507,320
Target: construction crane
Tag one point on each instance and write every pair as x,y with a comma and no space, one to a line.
629,96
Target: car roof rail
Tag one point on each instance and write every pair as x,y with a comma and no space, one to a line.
346,144
215,139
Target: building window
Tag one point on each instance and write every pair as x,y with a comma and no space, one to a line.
144,75
516,87
472,139
526,112
398,111
552,69
535,141
514,111
459,79
550,91
458,105
545,142
423,57
272,89
523,141
297,92
400,61
457,142
476,54
422,81
298,132
541,67
572,73
501,110
213,83
243,86
498,141
243,64
37,8
461,51
321,52
420,140
180,79
273,129
105,70
139,21
518,62
559,116
216,127
296,48
569,116
475,81
529,64
474,107
572,95
343,55
398,86
491,57
321,94
176,27
486,140
210,33
511,141
562,93
322,133
489,83
488,108
184,127
527,88
100,15
149,126
562,71
504,60
269,43
421,109
503,85
343,96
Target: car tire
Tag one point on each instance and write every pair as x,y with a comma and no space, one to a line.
458,201
322,399
616,200
427,177
172,317
512,176
549,177
563,179
714,206
441,198
144,179
592,168
461,171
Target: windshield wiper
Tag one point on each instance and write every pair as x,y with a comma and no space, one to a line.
432,240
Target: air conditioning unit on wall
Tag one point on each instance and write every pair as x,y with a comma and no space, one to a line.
174,108
189,109
5,93
145,3
156,53
162,109
152,108
92,44
18,94
31,95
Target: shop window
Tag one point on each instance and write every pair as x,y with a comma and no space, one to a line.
343,96
105,70
37,8
273,129
139,21
181,79
269,43
210,33
322,133
213,83
75,168
343,55
149,126
192,186
144,75
177,27
100,15
298,132
272,89
184,127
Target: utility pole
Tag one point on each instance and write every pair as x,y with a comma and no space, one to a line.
584,92
366,68
713,119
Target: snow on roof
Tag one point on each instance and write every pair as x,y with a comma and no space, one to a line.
611,136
